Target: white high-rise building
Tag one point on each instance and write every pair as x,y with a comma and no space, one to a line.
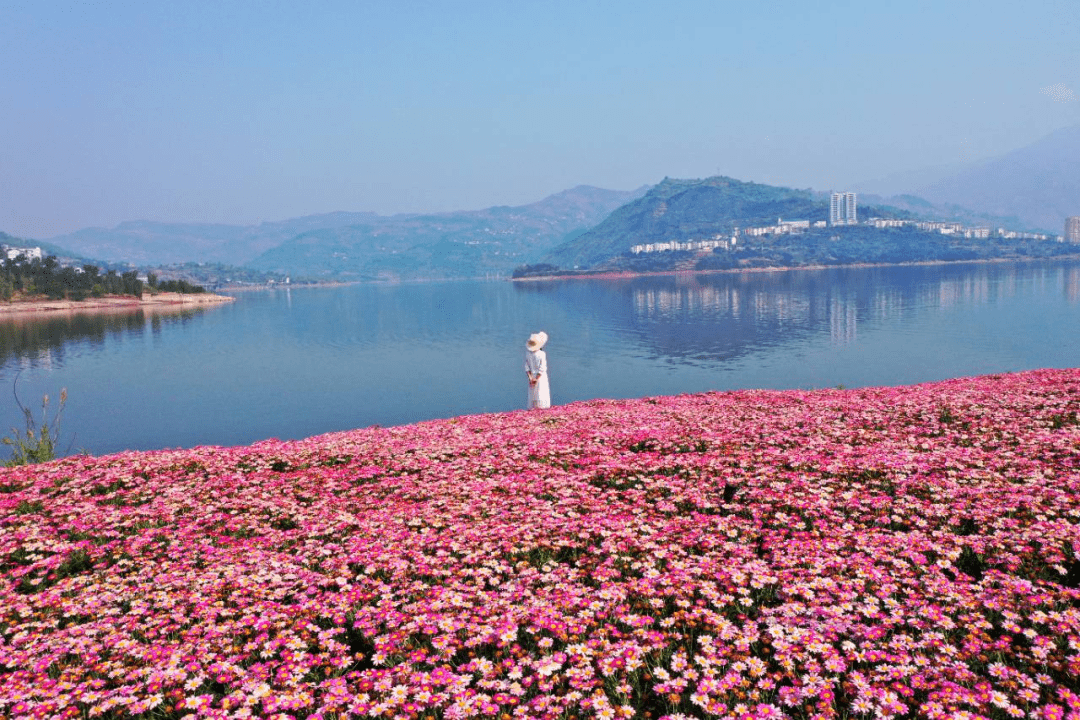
1072,229
843,209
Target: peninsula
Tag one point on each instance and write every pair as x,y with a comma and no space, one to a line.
723,224
31,282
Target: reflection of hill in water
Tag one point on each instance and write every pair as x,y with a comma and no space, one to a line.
44,338
724,316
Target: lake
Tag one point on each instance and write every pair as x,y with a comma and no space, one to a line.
291,363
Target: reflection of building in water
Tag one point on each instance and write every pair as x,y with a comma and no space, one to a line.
970,290
720,318
843,321
978,288
886,304
754,310
711,301
705,300
785,306
987,285
1072,284
760,307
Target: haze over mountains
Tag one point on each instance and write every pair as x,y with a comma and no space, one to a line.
362,245
1033,188
1039,184
461,244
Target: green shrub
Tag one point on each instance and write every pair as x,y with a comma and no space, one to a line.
36,444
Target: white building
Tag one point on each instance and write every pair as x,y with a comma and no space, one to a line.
888,223
945,228
1014,235
843,209
1072,229
717,241
11,252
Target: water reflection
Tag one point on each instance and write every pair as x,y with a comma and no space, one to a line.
728,315
42,340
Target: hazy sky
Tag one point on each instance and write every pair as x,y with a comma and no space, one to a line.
240,112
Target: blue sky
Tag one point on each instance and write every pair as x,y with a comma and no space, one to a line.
242,112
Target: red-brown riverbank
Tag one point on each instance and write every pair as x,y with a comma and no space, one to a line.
159,301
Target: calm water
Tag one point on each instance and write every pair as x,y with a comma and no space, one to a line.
295,363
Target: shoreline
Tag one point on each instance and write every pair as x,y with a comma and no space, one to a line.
163,300
283,286
629,274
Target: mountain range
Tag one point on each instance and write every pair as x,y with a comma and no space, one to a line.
1039,184
460,244
1033,188
361,245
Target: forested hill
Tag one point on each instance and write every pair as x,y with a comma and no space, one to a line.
444,245
692,209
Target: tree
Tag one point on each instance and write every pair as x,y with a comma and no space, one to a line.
131,284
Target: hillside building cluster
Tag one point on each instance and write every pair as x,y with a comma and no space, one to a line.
960,230
843,210
716,241
782,227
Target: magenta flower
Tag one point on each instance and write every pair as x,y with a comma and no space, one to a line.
883,552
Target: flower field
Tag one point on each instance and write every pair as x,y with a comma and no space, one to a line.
870,553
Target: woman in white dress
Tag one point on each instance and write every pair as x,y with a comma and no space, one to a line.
536,369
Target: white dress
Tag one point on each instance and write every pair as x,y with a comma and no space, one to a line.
540,393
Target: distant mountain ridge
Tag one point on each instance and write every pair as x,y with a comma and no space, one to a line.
1033,188
1039,184
444,245
145,242
349,244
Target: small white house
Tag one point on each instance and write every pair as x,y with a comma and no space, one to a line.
12,252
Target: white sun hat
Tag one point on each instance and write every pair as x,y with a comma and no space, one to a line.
537,341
